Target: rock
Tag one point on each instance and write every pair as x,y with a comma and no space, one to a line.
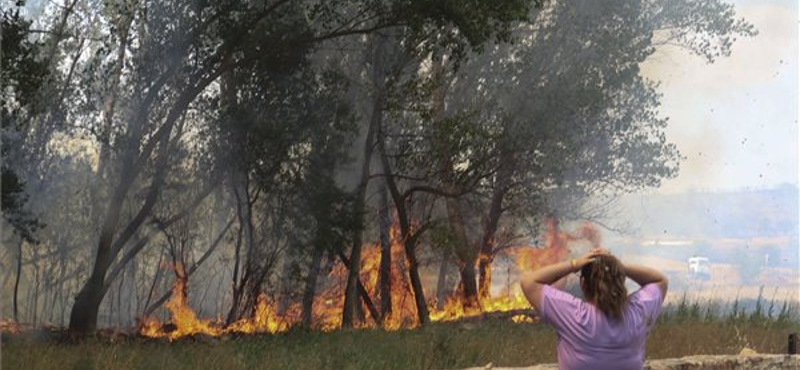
746,351
747,361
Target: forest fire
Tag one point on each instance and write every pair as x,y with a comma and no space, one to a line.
358,184
328,304
185,321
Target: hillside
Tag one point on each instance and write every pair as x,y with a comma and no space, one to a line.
734,214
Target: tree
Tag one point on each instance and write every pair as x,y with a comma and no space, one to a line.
533,127
569,111
465,24
256,105
456,27
23,74
182,49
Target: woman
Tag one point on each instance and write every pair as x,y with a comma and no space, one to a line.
608,330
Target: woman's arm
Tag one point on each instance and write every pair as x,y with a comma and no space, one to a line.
532,282
644,275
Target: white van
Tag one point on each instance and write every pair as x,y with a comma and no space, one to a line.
699,268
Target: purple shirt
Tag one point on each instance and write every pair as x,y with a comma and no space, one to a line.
589,340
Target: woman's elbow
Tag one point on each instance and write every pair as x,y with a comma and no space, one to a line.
663,281
527,281
531,288
663,285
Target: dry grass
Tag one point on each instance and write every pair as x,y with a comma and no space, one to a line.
685,329
717,338
436,347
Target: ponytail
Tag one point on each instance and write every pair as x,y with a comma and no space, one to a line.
604,285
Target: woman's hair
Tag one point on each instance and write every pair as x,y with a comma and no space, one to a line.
604,285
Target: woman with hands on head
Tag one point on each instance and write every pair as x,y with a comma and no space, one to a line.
608,329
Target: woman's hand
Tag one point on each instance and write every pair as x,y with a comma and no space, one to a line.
589,257
533,281
644,275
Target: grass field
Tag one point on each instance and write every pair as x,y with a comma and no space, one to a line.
685,328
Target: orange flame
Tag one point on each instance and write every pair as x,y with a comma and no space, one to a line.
328,303
328,307
9,326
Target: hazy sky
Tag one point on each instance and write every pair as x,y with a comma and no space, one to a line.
735,121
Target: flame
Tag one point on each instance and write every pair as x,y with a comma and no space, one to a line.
526,257
184,319
328,307
328,303
9,326
265,319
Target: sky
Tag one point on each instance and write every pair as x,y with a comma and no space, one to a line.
735,120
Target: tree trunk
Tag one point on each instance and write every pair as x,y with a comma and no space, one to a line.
385,273
351,290
409,241
378,75
485,275
463,250
287,283
57,298
83,317
133,293
237,256
416,283
487,251
466,255
120,286
45,294
311,285
244,238
362,292
61,289
17,278
35,305
488,241
247,285
442,288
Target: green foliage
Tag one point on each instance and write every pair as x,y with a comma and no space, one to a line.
464,25
14,200
24,70
22,75
707,18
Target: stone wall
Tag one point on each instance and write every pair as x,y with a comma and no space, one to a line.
723,362
730,362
